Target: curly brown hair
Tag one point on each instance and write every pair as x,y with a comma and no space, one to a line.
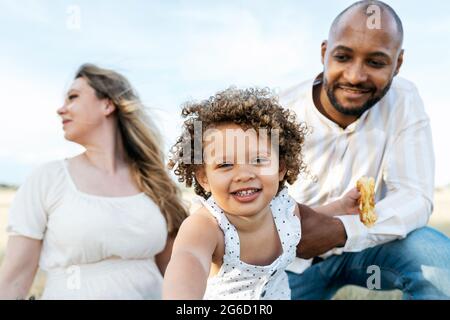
249,108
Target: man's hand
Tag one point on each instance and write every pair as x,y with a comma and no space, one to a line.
349,203
320,233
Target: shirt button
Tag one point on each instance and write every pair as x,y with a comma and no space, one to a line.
263,293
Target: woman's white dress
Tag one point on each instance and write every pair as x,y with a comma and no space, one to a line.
93,247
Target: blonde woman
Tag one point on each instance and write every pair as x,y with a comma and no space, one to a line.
100,224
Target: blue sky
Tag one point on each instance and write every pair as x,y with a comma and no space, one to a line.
173,51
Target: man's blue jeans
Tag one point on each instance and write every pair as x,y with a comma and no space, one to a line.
419,265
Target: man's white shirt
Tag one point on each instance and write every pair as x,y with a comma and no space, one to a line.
391,142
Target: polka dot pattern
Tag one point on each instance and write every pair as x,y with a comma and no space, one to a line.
239,280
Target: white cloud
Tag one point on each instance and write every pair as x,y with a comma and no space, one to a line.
440,26
232,44
28,10
439,114
30,130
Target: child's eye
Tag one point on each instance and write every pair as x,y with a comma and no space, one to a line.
224,165
260,160
72,96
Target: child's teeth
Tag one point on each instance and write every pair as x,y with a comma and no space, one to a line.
246,192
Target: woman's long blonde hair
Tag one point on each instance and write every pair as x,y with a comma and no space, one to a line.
141,141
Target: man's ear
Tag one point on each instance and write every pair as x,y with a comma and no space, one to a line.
323,50
282,171
109,107
399,62
202,179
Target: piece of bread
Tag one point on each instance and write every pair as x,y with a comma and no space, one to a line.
367,215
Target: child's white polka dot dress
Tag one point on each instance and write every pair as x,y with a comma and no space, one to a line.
239,280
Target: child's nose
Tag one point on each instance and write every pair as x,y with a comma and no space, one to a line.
244,174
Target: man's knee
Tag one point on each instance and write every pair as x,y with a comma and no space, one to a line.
424,256
425,247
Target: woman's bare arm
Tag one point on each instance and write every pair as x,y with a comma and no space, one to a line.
19,267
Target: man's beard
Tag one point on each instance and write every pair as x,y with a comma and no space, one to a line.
357,111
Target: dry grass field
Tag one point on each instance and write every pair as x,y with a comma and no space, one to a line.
440,220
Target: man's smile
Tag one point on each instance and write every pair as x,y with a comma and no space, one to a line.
353,93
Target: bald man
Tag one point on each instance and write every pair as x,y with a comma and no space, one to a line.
366,121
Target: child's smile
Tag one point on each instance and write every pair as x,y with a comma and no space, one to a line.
246,194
